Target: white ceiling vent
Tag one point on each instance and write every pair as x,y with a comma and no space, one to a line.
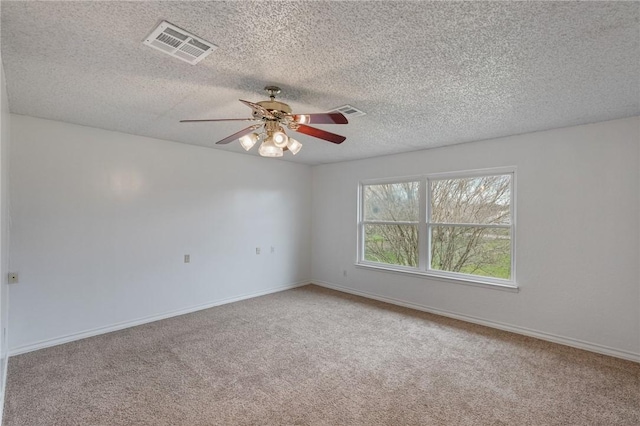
178,43
349,111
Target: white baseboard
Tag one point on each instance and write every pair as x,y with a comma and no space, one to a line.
3,391
126,324
580,344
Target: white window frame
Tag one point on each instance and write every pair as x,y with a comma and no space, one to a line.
424,262
362,222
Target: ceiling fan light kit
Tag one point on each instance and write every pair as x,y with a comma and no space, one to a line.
275,116
280,138
269,149
294,146
248,141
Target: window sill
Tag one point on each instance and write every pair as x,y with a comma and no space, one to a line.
427,275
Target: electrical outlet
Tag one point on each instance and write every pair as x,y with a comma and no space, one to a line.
257,250
273,249
13,278
187,258
344,272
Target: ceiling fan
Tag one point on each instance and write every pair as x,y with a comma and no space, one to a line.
274,116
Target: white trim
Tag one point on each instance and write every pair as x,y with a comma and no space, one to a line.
381,181
550,337
513,206
424,252
3,392
474,280
473,173
359,224
390,222
126,324
470,225
4,335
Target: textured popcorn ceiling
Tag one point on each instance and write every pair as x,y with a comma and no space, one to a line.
427,74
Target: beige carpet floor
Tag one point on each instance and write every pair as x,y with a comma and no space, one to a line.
312,356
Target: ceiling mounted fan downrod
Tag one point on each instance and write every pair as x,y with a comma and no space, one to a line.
272,91
277,110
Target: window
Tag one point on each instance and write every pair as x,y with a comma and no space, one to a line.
457,225
390,223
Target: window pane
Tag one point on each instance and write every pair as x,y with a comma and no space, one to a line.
392,201
473,250
482,200
393,244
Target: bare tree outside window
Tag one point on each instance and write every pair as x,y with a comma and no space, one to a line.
468,224
391,213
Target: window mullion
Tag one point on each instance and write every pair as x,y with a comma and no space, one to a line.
512,233
360,242
423,236
472,225
389,222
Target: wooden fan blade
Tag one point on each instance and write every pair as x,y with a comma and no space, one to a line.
238,135
263,112
328,118
219,119
320,134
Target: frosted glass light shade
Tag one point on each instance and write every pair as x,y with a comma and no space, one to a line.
248,141
294,146
280,139
269,149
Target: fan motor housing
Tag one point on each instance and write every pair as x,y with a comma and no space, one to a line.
275,105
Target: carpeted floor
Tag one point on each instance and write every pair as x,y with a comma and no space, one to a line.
312,356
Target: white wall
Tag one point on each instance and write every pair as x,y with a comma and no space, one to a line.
101,221
4,223
577,234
